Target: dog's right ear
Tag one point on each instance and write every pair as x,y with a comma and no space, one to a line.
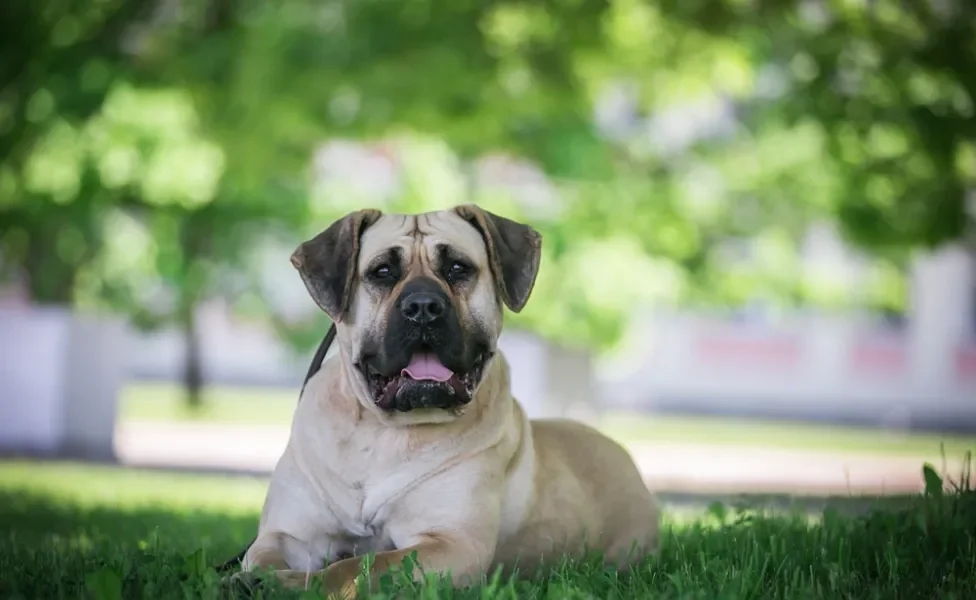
514,253
327,262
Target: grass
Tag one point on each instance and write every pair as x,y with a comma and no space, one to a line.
164,402
74,531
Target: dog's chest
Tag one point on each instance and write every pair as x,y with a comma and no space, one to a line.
374,469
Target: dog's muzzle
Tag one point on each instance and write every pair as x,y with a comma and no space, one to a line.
425,361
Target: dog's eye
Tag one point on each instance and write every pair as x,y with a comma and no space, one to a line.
458,271
381,272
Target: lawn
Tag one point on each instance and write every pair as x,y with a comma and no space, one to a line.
73,531
164,402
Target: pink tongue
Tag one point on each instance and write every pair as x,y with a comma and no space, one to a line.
427,367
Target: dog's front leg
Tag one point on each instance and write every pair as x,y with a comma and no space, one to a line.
456,536
267,553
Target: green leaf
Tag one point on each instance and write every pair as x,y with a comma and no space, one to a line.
196,563
933,482
104,584
719,511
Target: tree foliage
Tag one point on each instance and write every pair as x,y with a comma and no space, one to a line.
892,86
57,63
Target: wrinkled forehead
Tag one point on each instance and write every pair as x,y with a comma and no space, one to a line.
422,234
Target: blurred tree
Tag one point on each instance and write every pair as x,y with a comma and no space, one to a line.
891,84
57,63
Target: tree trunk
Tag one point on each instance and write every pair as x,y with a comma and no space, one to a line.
190,295
192,363
50,278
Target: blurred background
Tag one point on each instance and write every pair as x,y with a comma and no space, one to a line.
759,267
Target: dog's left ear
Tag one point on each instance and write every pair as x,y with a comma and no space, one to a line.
514,252
327,262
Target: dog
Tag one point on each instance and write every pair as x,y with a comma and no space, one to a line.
408,440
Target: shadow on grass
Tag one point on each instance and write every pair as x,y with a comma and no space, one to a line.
50,548
926,547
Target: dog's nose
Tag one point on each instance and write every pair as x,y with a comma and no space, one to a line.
423,308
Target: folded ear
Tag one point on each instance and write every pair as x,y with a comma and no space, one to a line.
514,252
327,262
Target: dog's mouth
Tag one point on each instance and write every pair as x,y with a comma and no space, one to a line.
424,383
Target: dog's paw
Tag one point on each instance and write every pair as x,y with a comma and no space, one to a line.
340,583
344,591
243,584
302,580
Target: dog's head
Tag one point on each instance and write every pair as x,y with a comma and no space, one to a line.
417,300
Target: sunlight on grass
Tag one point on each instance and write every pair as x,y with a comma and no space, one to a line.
223,404
102,485
274,407
86,486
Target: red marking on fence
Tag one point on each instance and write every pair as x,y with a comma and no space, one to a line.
769,352
966,363
879,357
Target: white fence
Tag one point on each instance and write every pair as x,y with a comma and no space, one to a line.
812,367
840,366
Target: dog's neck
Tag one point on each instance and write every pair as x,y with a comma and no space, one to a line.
330,415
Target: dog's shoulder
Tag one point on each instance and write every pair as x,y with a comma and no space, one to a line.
326,395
